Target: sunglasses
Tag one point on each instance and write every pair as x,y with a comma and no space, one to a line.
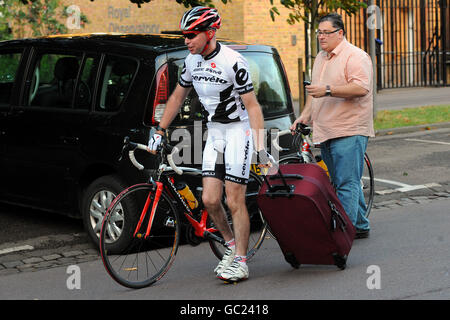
191,35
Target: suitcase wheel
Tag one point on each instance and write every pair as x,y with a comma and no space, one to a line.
340,261
290,258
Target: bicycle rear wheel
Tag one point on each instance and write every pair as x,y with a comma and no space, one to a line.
368,184
258,226
145,259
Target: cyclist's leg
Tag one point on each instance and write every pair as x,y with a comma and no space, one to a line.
258,226
212,200
241,223
213,171
238,154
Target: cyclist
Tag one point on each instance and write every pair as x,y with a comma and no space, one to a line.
221,78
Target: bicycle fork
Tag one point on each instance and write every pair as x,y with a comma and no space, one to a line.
159,188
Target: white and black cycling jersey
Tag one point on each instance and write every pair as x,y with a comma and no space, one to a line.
219,78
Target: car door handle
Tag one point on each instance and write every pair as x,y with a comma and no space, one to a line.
70,140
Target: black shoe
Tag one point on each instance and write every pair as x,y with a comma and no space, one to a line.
362,234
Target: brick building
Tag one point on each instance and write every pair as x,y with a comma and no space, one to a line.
243,20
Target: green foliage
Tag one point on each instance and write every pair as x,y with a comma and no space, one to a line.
33,18
186,3
387,119
310,10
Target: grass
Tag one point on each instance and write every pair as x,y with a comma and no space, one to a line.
387,119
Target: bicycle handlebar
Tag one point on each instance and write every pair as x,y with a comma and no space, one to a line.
132,146
275,140
300,129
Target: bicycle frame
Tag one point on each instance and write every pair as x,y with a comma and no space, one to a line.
200,226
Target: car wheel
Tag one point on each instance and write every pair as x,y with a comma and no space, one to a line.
96,200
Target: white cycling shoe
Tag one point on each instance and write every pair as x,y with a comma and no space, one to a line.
235,272
226,261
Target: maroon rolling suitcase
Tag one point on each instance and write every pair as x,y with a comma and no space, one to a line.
305,215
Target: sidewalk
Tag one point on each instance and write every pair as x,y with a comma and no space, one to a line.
390,99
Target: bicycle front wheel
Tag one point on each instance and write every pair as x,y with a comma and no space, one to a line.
154,237
258,226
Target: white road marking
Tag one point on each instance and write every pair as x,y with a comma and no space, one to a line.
428,141
15,249
395,183
405,187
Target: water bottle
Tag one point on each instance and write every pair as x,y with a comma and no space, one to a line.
184,190
321,163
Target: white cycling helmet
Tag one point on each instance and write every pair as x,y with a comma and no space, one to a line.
200,19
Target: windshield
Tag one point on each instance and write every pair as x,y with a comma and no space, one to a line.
268,82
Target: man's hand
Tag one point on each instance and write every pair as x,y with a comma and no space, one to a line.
154,143
316,91
265,159
300,119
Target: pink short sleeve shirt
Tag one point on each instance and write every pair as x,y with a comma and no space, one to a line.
335,117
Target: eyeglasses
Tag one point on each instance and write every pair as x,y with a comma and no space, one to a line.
326,33
191,34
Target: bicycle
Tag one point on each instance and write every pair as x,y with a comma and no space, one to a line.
156,226
302,142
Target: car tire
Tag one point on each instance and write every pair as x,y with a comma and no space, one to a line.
96,200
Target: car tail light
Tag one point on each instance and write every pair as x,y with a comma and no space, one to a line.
162,93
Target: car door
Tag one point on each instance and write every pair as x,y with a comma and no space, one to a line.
12,63
46,128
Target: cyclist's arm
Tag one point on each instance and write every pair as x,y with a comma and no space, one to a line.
256,119
173,105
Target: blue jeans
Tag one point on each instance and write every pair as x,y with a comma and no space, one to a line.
344,158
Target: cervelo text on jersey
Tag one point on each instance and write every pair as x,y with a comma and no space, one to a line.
219,78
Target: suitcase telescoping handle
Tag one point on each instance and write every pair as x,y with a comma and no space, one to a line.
283,190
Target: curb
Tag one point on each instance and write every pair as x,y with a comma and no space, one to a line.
424,127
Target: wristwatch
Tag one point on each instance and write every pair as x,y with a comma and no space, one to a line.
328,91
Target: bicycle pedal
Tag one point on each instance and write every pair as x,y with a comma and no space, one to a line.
231,281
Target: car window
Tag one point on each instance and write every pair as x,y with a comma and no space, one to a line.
9,63
268,82
86,83
53,80
117,76
191,110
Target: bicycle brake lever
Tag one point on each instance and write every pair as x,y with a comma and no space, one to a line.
125,148
303,128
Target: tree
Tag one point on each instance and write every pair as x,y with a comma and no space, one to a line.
186,3
33,18
310,11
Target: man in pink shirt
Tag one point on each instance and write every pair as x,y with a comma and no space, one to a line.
340,107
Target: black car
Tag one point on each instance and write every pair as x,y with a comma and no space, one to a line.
67,102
